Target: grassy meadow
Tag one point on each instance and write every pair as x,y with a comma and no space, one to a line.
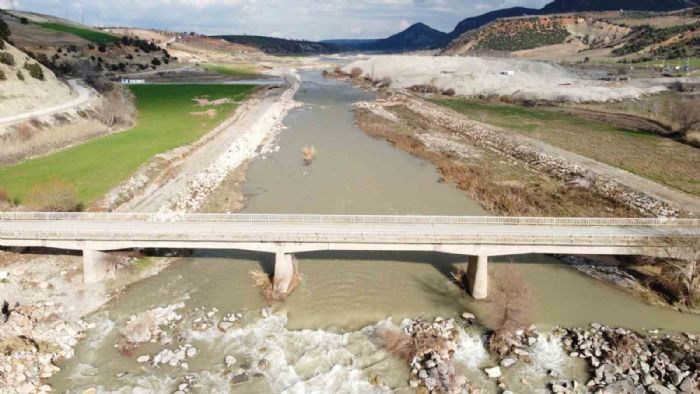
240,71
88,34
643,153
165,121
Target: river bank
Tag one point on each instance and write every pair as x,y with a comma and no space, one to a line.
45,303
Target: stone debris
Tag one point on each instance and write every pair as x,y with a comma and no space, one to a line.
147,327
623,361
432,367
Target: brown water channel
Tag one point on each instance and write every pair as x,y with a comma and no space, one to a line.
319,340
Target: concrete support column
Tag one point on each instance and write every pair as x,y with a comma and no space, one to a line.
284,270
478,276
95,266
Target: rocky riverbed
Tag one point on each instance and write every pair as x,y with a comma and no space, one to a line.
44,303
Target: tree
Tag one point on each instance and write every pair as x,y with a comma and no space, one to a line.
4,33
509,310
116,108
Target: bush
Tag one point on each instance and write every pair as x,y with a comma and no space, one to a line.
449,92
355,72
2,76
7,58
155,62
35,70
54,196
23,21
102,48
4,33
20,76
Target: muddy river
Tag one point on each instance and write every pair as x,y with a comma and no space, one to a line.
320,339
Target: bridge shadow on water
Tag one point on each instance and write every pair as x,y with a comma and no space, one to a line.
444,263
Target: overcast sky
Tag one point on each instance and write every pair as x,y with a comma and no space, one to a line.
308,19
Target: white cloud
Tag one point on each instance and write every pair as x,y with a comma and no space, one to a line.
290,18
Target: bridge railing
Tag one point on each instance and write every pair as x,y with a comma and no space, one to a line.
125,235
346,219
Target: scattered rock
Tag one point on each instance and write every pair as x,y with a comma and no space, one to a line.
493,373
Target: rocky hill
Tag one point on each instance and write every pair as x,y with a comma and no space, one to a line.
616,36
273,45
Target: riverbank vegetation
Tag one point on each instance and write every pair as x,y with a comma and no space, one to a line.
238,71
164,122
501,186
266,284
643,153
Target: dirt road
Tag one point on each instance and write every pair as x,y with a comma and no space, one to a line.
83,96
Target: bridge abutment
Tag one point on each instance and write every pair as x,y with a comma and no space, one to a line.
284,271
478,276
95,266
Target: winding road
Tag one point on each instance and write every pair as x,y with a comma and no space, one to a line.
85,96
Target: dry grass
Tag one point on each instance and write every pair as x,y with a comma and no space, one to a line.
54,196
265,283
308,153
398,343
27,141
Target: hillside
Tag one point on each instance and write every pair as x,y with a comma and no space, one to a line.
274,45
417,36
26,85
484,19
562,6
71,49
628,37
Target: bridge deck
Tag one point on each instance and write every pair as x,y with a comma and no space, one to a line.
339,229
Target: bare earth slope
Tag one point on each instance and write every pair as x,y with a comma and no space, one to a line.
20,96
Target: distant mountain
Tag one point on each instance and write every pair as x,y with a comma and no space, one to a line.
416,37
484,19
561,6
275,45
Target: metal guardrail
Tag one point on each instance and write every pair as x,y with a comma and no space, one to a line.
345,219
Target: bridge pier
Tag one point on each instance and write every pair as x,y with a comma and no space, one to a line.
284,271
95,266
478,276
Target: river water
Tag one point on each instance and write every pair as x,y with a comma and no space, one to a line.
320,339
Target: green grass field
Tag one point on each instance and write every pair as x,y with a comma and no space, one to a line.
643,153
90,35
164,122
233,70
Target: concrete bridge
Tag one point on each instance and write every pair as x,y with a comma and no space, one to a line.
478,237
